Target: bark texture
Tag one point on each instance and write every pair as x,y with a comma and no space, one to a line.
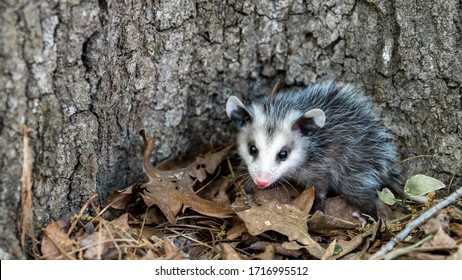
86,76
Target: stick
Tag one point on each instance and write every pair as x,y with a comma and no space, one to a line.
415,223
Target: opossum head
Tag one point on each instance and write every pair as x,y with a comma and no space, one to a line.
273,139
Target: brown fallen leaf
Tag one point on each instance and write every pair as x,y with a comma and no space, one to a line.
292,248
329,251
282,194
171,251
237,230
164,194
206,207
172,190
229,253
95,245
241,203
423,256
455,213
268,254
439,226
456,228
103,243
440,240
120,225
280,250
328,225
56,244
150,255
433,225
208,163
221,196
283,218
457,255
338,207
348,246
120,199
305,200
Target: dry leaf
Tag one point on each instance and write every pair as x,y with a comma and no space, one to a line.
283,218
280,250
171,251
433,225
305,200
282,194
456,228
455,213
163,193
457,255
172,190
95,244
207,164
103,243
440,240
56,244
222,197
236,231
329,251
328,225
338,207
423,256
268,254
121,223
228,253
241,203
120,199
292,246
150,255
348,245
439,226
206,207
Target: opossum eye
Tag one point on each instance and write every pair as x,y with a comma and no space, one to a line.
253,150
283,155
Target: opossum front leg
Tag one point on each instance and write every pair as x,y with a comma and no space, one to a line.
319,199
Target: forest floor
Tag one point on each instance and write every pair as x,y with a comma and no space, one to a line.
196,208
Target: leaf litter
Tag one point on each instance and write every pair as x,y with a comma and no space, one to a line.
194,208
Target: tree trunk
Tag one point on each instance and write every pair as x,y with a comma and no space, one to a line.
86,76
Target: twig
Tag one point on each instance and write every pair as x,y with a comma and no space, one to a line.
401,251
142,227
59,248
26,219
112,238
190,238
99,247
415,223
210,182
71,228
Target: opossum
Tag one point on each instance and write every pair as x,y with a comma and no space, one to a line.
325,136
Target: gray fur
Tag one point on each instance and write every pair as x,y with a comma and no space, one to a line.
350,154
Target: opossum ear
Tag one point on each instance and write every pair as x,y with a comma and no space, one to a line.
237,111
311,121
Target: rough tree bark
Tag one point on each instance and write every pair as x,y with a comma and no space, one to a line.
86,76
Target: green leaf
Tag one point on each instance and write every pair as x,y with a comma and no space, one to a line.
386,196
337,249
419,185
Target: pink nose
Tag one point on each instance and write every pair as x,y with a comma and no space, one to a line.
262,183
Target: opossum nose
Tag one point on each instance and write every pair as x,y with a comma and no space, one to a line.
262,183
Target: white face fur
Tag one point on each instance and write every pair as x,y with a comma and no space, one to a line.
270,157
